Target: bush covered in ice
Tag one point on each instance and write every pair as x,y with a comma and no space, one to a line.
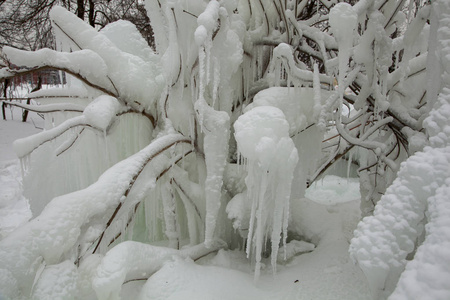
203,148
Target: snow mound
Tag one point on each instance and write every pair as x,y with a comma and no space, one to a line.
258,130
183,279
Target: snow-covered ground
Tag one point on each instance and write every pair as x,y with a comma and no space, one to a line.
325,273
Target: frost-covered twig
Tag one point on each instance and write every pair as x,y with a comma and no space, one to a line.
338,154
8,73
68,143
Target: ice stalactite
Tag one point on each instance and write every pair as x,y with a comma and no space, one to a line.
262,135
302,108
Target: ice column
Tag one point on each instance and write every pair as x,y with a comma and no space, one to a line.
214,124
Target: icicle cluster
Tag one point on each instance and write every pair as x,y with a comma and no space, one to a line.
262,135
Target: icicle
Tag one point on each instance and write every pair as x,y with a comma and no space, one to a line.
318,105
343,21
216,80
170,216
194,237
349,164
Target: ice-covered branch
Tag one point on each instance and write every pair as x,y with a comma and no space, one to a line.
356,141
284,52
85,65
98,115
68,143
135,177
25,146
338,154
48,108
172,164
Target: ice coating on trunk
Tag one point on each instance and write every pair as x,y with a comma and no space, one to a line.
214,123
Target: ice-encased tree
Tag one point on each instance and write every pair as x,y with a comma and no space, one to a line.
206,141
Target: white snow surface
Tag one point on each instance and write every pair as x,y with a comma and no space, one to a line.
135,260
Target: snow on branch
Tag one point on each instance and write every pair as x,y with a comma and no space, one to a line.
25,146
85,65
48,108
125,71
417,197
98,115
383,241
283,52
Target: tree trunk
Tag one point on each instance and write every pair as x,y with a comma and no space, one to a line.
5,87
80,9
91,13
38,87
